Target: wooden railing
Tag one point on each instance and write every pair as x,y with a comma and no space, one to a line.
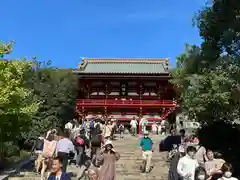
126,103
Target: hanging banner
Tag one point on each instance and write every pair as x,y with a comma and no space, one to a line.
123,90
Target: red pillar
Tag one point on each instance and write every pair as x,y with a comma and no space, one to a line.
140,129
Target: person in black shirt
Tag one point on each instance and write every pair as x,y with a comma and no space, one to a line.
38,149
96,143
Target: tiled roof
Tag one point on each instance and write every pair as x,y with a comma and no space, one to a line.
124,65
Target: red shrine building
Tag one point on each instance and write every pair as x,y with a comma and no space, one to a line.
124,88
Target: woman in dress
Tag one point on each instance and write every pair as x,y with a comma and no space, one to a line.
109,157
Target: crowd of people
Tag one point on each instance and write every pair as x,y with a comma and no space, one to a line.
84,143
87,145
189,160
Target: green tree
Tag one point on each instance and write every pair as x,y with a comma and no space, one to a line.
18,104
212,95
57,89
209,81
207,77
5,48
219,27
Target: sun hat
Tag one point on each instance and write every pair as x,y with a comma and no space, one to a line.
145,133
108,142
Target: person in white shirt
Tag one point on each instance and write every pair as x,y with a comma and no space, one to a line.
187,164
133,125
159,128
154,127
227,172
163,126
143,122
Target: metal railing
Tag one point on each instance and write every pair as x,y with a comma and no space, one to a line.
112,102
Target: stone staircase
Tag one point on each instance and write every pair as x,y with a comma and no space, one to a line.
128,166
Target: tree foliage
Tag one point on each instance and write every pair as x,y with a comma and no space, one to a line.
33,98
56,88
18,104
208,77
219,27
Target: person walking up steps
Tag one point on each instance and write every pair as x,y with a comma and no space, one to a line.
146,145
38,149
96,143
49,148
64,149
81,143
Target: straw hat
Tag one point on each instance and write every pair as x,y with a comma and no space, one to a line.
108,142
145,133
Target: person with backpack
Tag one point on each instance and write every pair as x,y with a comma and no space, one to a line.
38,150
49,148
98,124
80,143
64,149
96,143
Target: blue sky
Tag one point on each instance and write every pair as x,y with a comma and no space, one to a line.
63,31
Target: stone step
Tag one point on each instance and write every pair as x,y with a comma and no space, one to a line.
32,178
122,177
127,167
140,158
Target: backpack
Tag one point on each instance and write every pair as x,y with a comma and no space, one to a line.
79,141
39,143
98,129
49,148
96,140
121,128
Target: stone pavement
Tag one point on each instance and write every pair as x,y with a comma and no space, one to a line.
128,166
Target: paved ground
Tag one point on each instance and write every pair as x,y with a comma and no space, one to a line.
127,166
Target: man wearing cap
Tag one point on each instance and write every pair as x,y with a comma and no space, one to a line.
146,147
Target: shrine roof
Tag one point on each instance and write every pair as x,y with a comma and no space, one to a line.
124,65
